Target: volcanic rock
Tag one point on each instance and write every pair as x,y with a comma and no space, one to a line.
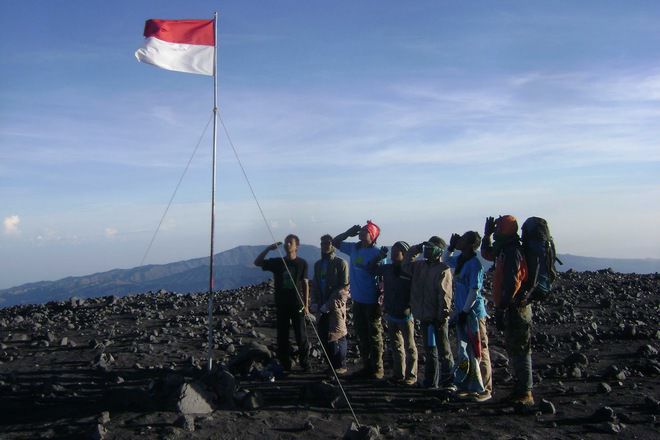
248,356
194,399
647,351
362,432
185,422
547,407
604,414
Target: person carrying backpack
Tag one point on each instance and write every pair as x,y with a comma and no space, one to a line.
512,314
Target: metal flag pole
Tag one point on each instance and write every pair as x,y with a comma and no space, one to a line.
215,137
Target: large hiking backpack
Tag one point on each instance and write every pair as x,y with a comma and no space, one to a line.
540,254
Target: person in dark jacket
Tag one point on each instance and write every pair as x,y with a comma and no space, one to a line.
291,298
400,322
512,315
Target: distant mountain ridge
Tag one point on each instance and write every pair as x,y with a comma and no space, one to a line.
234,268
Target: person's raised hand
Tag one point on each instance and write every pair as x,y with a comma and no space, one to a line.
354,230
383,251
453,241
274,246
489,227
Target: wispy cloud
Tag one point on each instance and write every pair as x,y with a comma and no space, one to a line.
11,225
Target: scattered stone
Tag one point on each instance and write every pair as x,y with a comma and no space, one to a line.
630,331
248,356
547,407
185,422
363,432
647,351
323,392
604,414
249,400
193,399
99,432
575,373
223,383
652,405
609,427
19,337
604,388
104,418
576,359
497,358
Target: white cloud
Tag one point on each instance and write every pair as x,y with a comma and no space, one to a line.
11,225
111,232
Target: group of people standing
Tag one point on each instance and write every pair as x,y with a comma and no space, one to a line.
444,287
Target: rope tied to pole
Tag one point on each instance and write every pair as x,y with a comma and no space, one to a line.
274,240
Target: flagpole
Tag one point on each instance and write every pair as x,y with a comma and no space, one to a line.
215,137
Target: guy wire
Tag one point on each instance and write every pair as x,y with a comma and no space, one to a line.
185,170
270,231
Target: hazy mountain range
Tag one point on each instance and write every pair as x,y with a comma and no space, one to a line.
234,268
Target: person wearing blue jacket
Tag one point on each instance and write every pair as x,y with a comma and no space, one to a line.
365,293
473,375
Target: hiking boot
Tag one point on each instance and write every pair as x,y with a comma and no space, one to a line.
525,399
481,397
410,381
341,371
448,385
464,394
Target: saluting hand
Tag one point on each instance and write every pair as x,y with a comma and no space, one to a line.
383,251
354,230
274,246
453,241
489,227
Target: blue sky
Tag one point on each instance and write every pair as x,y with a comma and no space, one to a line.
423,116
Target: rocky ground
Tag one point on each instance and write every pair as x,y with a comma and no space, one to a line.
134,367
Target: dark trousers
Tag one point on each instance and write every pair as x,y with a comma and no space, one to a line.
438,354
336,350
369,330
288,316
518,337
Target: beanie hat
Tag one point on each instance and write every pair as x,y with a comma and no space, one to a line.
472,239
507,225
373,230
402,245
439,242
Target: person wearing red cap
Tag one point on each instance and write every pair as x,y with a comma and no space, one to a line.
512,315
364,291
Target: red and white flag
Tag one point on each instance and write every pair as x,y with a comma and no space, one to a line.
180,45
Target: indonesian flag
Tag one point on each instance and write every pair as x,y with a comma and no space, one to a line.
180,45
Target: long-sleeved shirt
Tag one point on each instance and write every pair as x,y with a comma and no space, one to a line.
510,270
431,289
